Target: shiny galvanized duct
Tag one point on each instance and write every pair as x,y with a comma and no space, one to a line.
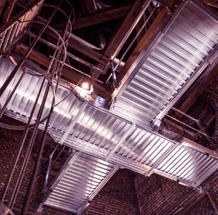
78,182
14,27
163,72
99,133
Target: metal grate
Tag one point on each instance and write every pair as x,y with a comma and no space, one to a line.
122,136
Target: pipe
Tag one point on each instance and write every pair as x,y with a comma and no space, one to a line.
27,155
211,4
31,186
50,165
14,163
55,66
188,126
19,65
114,74
126,36
11,94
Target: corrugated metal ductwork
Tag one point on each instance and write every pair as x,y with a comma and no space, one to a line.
102,134
78,182
163,72
122,136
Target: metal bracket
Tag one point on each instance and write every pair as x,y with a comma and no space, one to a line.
114,76
155,125
83,207
198,189
40,208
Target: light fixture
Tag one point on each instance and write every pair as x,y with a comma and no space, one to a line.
85,89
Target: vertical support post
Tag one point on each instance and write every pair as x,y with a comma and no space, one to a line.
39,156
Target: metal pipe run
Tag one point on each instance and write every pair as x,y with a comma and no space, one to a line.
39,156
188,126
20,64
54,69
29,150
20,146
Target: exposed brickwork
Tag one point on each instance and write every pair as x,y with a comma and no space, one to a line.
9,141
118,197
211,93
213,183
159,195
203,207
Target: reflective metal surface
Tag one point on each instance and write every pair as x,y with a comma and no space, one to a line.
13,29
79,182
178,57
122,136
100,133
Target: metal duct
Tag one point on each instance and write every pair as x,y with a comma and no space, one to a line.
166,70
102,134
78,182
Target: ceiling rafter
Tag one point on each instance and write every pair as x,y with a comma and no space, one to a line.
90,5
101,16
72,76
121,31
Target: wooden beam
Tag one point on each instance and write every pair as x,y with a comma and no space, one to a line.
162,17
2,3
121,31
68,73
90,6
101,16
123,28
8,8
93,54
80,47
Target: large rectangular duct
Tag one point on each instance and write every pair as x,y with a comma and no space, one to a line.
122,136
78,182
164,71
101,134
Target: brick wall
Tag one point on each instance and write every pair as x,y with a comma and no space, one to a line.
159,195
203,207
118,197
9,141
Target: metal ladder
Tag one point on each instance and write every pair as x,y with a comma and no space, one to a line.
14,27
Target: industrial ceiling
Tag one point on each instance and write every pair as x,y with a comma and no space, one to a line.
106,94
